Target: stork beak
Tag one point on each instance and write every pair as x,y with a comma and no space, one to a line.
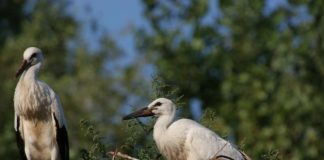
24,65
144,112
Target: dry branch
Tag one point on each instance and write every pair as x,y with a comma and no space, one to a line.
121,155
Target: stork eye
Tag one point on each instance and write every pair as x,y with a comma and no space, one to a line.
33,56
158,104
33,59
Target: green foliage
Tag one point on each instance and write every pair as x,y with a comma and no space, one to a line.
271,155
139,142
96,149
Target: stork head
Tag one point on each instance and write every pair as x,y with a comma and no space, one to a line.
159,107
32,56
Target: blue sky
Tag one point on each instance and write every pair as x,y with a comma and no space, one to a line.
113,17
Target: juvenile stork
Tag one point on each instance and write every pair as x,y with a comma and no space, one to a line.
39,120
185,139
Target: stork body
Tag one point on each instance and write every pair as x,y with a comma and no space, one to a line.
39,119
185,139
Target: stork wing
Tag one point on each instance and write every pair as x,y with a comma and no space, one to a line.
61,133
19,140
216,147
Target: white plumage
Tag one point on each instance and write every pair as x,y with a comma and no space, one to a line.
39,119
185,139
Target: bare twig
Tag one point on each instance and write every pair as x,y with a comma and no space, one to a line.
121,155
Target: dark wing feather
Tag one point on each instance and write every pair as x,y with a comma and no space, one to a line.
246,157
20,141
222,157
62,140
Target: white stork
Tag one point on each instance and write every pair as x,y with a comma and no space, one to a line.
39,119
185,139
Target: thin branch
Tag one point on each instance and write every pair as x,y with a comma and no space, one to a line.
121,155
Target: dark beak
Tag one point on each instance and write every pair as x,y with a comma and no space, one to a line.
24,65
144,112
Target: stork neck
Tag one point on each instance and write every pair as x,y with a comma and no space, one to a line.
162,123
31,73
